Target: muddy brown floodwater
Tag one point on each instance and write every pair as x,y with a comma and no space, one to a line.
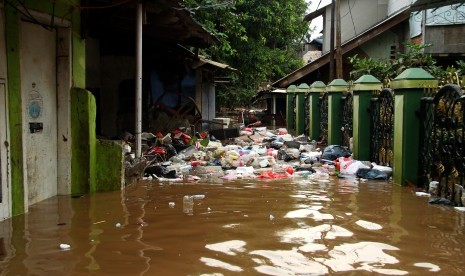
248,227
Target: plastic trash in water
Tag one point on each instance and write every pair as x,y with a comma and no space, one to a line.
198,196
64,246
188,205
271,217
171,204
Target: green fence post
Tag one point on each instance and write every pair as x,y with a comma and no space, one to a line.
335,89
301,90
290,123
363,89
316,89
408,89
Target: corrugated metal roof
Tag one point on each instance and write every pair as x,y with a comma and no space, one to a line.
204,61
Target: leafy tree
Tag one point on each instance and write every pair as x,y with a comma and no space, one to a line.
261,38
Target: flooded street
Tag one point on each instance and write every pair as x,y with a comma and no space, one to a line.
248,227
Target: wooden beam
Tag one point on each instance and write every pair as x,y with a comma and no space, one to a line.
347,47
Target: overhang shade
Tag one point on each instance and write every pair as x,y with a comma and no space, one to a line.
316,13
349,45
166,21
202,61
432,4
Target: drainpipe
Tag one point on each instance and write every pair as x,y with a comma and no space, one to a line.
138,81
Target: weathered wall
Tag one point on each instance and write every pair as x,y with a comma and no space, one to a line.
356,18
110,166
83,162
380,47
61,11
14,109
445,39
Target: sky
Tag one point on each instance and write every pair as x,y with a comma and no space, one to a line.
317,22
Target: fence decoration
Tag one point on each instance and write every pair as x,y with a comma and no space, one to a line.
347,119
382,128
442,142
307,113
323,105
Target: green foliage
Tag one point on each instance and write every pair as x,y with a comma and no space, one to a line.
259,38
389,69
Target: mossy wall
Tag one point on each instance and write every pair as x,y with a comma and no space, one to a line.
14,109
110,166
83,148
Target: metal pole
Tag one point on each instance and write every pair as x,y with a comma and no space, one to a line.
339,68
138,82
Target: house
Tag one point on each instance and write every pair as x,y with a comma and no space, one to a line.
70,75
382,32
312,50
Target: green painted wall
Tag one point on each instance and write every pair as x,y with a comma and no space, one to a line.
14,109
96,165
361,125
83,147
407,128
110,169
398,166
80,131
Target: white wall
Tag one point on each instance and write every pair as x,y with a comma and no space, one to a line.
447,15
357,16
380,47
394,6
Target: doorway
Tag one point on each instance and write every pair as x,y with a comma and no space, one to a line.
39,96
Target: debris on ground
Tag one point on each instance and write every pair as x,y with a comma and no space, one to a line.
247,153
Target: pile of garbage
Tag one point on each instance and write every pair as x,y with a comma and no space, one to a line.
256,153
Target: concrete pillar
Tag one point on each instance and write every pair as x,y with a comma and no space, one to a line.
335,89
316,89
363,90
290,123
300,106
408,89
273,110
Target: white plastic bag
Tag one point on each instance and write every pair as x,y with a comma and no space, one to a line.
350,166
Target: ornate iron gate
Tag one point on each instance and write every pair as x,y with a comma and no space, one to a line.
307,114
347,119
442,149
294,114
323,104
382,128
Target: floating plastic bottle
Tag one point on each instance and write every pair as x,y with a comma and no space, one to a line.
188,205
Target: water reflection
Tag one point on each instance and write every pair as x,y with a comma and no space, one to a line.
245,227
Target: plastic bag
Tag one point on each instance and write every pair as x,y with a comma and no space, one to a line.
350,166
372,174
333,152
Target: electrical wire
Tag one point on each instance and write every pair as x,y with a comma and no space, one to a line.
351,17
27,15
